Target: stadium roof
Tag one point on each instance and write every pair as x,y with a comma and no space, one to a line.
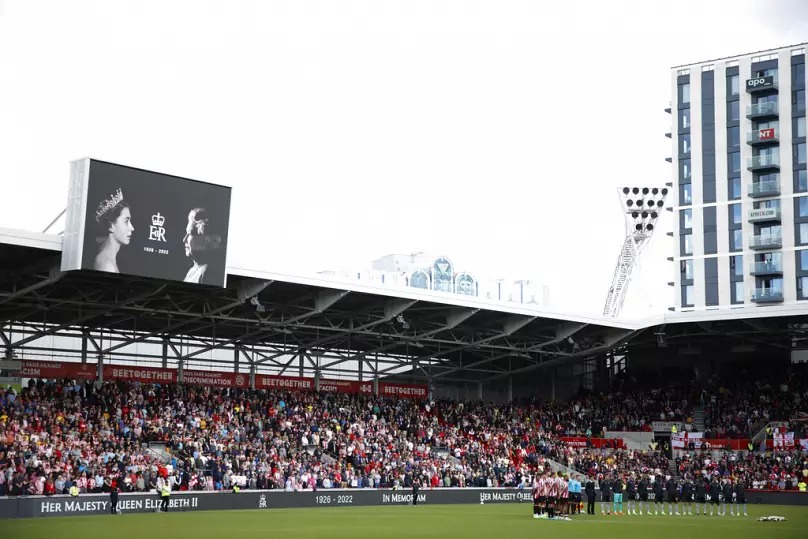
298,325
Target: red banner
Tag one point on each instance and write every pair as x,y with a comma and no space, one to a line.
598,443
404,391
57,369
147,375
216,378
156,375
295,383
345,386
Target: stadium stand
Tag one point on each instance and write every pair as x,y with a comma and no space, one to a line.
58,434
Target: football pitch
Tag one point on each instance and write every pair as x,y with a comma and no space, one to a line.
494,521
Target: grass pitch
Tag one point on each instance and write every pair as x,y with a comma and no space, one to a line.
491,521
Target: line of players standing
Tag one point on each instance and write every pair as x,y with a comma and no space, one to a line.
557,495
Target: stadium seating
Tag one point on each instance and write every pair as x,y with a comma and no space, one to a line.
57,434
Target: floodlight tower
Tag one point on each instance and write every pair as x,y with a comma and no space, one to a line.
641,207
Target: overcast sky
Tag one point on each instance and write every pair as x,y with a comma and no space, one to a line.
494,132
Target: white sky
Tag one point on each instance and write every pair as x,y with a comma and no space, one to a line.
492,131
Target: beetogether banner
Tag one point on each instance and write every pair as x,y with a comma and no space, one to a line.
156,375
63,506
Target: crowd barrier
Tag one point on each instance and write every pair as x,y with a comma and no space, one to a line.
99,504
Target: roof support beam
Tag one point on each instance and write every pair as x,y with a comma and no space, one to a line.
87,317
509,327
327,298
55,275
612,340
392,308
247,290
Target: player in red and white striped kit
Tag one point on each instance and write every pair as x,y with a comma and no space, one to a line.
552,495
563,494
536,499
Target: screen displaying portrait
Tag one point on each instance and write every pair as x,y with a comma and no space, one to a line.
136,222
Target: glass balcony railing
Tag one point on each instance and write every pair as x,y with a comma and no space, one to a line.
761,110
771,160
768,241
771,267
767,295
768,188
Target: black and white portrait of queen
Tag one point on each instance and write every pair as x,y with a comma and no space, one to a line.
114,221
202,244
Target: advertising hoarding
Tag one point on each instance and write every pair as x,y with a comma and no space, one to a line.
136,222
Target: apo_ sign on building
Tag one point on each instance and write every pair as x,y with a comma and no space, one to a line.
157,375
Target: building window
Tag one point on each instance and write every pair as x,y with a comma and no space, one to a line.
802,287
735,214
798,100
684,170
687,269
801,180
797,73
684,119
799,126
688,299
734,139
736,265
734,111
799,153
687,195
687,244
687,218
802,234
734,162
737,290
734,188
684,144
684,93
736,240
803,259
732,84
763,204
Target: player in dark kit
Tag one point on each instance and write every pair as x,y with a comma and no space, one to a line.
416,486
590,496
687,497
740,499
726,499
631,496
642,493
673,495
605,495
701,494
715,495
659,496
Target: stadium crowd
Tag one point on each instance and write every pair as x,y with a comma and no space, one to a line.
737,404
780,470
60,434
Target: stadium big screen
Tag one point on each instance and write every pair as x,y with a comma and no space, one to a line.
136,222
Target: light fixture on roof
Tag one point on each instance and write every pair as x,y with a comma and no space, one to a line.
641,207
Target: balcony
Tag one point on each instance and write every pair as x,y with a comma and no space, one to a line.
763,137
767,295
762,111
763,162
766,268
768,188
764,215
761,85
766,242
